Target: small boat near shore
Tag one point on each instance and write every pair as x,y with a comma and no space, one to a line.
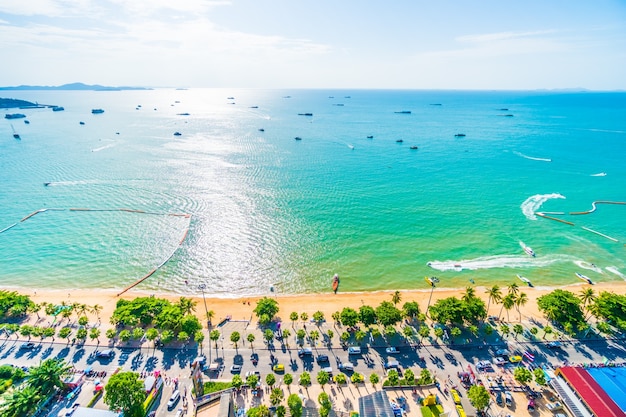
403,112
529,251
335,283
526,280
584,278
432,280
98,111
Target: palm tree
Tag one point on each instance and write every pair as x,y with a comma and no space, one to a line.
21,402
513,288
186,305
48,375
520,301
507,303
469,293
96,309
209,316
495,294
396,298
215,336
587,296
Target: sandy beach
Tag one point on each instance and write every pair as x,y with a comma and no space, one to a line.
328,303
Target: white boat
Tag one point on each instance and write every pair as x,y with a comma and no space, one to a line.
526,280
584,278
529,251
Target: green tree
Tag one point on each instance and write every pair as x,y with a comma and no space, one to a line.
314,335
407,331
252,380
304,317
409,377
388,314
295,405
396,298
83,320
234,337
266,308
518,329
270,380
374,378
125,391
81,334
237,381
359,335
294,318
367,315
268,335
138,333
186,305
182,337
508,302
288,380
20,402
479,397
125,335
546,331
455,332
349,317
167,336
505,329
276,396
561,306
318,316
494,295
392,377
65,333
520,301
390,331
522,375
214,335
251,338
305,379
260,410
48,375
540,376
94,333
424,331
111,333
357,378
325,404
411,309
340,378
198,337
323,378
281,411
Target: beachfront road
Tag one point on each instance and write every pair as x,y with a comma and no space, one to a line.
441,360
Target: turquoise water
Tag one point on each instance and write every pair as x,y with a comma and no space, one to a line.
270,211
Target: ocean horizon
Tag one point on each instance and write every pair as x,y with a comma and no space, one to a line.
384,187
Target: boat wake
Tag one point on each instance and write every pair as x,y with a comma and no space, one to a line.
599,174
499,261
110,145
589,266
534,203
615,271
532,158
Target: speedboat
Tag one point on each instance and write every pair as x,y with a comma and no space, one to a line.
97,111
526,280
584,278
529,251
460,135
413,147
458,267
335,283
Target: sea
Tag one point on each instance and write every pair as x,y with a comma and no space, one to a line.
383,188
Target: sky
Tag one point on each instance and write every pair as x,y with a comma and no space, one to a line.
393,44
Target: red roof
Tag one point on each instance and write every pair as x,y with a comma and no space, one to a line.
591,392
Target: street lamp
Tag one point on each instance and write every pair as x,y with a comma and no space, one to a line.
202,287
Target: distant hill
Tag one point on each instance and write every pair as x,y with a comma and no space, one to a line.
10,103
73,86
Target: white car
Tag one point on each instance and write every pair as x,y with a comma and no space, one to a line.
107,353
392,350
354,350
484,366
502,352
499,360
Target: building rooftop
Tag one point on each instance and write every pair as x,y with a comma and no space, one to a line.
591,393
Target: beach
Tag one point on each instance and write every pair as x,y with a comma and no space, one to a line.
242,308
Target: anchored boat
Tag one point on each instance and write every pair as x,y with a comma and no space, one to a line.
526,280
584,278
335,283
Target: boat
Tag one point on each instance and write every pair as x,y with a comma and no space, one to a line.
529,251
458,267
526,280
182,114
335,283
261,130
15,134
298,138
403,112
413,147
351,146
305,114
459,135
27,122
370,137
82,123
14,116
230,98
254,107
98,111
399,141
177,134
58,108
432,280
584,278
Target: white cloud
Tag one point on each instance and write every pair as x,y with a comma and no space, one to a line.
501,36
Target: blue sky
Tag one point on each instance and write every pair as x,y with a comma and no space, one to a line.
455,44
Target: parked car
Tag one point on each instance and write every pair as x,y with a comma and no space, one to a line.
502,352
70,411
322,358
392,364
554,406
106,353
27,346
392,350
499,360
499,399
279,367
508,398
345,367
235,369
305,352
354,350
484,366
515,359
554,344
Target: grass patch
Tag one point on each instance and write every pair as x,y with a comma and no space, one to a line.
431,410
214,386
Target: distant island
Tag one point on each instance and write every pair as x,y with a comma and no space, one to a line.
11,103
73,86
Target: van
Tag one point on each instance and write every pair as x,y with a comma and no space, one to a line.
173,399
354,350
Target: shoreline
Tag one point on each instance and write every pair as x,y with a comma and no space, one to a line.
241,308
